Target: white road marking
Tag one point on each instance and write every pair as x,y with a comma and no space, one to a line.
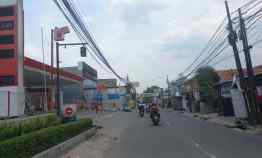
168,123
106,117
203,150
109,116
237,129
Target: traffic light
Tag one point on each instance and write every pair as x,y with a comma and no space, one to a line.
83,51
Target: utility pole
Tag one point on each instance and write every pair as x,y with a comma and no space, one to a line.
52,81
58,86
251,88
52,53
57,81
44,98
232,38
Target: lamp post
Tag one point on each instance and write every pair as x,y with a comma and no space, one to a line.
58,34
58,86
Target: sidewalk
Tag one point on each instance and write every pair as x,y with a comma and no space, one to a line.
94,116
99,145
229,122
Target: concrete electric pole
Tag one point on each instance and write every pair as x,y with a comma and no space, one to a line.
251,88
232,38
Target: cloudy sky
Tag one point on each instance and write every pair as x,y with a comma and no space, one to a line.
147,39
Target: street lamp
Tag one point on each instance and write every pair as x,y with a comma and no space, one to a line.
59,36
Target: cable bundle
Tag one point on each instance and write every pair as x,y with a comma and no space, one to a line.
218,43
73,16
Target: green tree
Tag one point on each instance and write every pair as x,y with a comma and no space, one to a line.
207,78
151,89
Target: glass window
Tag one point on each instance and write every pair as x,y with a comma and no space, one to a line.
6,25
6,11
7,39
7,80
6,53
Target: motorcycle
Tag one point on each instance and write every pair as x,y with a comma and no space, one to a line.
141,111
155,115
147,109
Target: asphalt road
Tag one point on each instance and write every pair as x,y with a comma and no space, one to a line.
178,136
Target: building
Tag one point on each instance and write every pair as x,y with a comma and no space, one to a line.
191,95
176,90
39,90
12,54
27,86
86,92
224,87
110,93
39,86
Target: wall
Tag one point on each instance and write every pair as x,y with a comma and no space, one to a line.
111,96
72,93
89,91
10,104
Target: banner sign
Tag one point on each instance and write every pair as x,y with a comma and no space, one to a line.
113,96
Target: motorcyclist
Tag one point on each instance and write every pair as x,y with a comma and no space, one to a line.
155,107
141,107
155,113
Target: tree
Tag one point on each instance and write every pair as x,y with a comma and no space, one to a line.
207,78
151,89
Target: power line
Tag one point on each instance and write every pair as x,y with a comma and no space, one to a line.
97,50
78,33
208,59
207,47
247,7
231,56
249,27
248,4
75,19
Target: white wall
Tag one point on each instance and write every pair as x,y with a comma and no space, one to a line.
16,102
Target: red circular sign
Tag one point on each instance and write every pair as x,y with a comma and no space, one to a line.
69,111
101,87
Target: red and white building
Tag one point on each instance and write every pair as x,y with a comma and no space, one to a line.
26,85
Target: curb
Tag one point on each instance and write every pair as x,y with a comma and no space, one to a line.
60,149
233,126
209,119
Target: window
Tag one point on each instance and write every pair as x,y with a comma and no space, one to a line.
7,80
7,39
6,53
6,25
6,11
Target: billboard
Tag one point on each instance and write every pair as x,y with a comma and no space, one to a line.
108,83
87,70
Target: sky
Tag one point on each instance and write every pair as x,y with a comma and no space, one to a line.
147,40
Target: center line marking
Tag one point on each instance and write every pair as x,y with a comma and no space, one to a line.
168,123
197,145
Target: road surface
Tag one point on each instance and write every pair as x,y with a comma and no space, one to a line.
126,135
